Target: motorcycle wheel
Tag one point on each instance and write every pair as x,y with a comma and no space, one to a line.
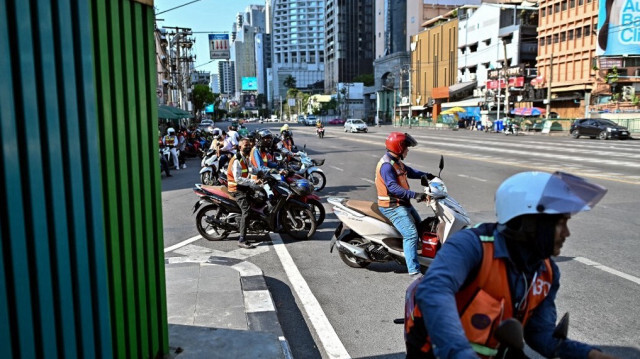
318,180
207,230
350,260
318,210
205,179
301,226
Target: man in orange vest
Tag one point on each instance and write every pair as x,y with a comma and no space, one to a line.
394,194
239,185
495,271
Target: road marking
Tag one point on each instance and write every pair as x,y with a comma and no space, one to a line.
330,341
591,263
338,168
473,178
182,244
368,180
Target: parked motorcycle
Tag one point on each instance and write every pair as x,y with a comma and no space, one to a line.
512,128
320,132
165,151
308,168
209,169
366,235
218,214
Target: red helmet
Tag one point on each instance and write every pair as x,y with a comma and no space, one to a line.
397,142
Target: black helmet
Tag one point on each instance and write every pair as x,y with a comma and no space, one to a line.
252,135
264,137
286,134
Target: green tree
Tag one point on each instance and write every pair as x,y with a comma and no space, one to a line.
366,79
290,82
202,96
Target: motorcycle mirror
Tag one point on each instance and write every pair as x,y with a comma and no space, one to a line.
510,333
562,329
441,165
424,181
304,148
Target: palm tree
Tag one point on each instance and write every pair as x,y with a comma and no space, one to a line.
290,82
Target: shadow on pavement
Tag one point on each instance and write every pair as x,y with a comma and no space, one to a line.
385,356
296,331
620,352
345,190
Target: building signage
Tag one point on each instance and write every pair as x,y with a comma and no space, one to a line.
618,30
610,62
512,71
513,82
219,47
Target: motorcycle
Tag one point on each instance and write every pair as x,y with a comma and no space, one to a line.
365,235
512,128
272,210
320,132
165,152
307,168
209,170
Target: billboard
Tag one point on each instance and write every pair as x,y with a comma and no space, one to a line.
219,46
249,101
618,30
209,108
249,84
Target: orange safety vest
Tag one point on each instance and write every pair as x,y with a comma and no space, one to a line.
170,140
484,303
287,143
386,199
232,184
266,157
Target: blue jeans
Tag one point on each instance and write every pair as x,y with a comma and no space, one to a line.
405,220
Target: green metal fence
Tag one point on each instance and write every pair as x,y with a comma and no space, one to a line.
81,259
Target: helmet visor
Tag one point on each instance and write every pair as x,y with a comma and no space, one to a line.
410,141
566,193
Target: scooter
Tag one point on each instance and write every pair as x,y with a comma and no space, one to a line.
209,170
366,235
320,132
308,168
512,128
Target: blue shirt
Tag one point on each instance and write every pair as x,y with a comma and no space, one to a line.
460,257
255,155
390,179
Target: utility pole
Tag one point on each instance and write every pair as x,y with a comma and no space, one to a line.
506,77
549,86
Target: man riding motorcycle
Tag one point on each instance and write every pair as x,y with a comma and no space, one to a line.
496,271
394,194
171,141
261,159
285,145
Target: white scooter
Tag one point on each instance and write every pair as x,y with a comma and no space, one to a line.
307,167
366,235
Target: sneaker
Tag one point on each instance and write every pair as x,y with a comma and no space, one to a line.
245,245
184,166
177,168
414,274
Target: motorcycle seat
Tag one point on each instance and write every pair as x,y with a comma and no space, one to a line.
368,208
218,190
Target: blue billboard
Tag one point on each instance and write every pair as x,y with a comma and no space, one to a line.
618,30
249,84
209,108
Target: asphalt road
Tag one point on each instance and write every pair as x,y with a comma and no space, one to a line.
600,283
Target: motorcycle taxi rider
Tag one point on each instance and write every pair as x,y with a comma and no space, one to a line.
501,270
171,140
260,156
394,194
239,185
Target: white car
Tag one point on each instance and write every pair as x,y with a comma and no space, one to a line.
355,125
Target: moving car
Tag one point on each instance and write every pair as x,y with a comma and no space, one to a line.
597,127
355,125
337,121
310,120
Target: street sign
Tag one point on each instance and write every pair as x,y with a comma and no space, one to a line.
219,46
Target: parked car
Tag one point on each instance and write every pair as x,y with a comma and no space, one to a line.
310,120
301,120
355,125
337,121
600,128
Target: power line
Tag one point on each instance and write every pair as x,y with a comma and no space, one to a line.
179,6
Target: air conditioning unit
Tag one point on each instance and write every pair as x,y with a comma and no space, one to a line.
473,77
477,93
628,93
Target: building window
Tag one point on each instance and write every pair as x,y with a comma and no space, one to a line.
555,38
587,31
543,12
564,5
572,3
570,34
549,40
578,33
563,36
550,9
542,41
580,2
473,48
556,7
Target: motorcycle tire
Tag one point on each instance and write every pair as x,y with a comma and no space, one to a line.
301,226
206,179
207,230
350,260
318,210
317,179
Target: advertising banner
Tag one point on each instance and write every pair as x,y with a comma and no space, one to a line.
219,46
209,109
618,30
249,101
249,84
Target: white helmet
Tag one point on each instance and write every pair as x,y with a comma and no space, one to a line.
170,130
541,192
285,127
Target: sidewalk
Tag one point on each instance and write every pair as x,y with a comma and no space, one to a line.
220,307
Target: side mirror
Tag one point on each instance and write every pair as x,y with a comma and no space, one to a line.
304,148
424,181
562,329
510,333
441,165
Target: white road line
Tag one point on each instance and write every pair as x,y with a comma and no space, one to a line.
368,180
182,244
591,263
338,168
330,341
473,178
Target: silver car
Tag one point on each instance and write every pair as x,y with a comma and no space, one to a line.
355,125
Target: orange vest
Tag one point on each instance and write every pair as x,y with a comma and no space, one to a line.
265,158
170,140
287,143
232,184
486,302
386,199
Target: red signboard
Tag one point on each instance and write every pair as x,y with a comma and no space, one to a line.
513,82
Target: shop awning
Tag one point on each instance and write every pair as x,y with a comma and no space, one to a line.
470,102
417,108
571,88
459,87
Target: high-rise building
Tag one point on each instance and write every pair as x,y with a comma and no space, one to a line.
247,25
350,44
214,83
297,38
263,62
226,74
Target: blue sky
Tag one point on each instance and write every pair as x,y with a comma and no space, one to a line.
204,15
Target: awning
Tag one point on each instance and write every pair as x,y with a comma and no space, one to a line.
470,102
417,108
459,87
571,88
176,111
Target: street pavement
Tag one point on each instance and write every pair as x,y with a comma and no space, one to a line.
324,309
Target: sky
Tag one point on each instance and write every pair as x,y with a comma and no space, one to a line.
204,15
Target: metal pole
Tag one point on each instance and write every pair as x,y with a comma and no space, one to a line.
549,85
506,77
